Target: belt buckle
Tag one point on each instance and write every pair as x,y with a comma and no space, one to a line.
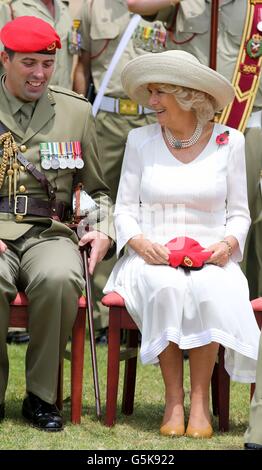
17,198
127,106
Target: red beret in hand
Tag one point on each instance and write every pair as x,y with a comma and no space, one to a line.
30,34
185,251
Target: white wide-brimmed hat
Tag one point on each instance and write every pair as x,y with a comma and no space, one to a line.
175,68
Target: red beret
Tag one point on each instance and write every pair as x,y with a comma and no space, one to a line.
186,252
30,34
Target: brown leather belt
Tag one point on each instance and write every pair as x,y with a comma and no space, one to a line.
25,205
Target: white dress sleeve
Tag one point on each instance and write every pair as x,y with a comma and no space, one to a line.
126,213
238,218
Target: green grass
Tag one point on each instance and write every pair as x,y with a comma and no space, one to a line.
139,431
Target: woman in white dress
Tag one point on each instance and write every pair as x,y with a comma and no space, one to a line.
184,177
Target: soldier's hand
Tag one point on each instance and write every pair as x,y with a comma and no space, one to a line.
100,244
3,246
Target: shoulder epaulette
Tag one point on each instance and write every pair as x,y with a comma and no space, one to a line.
66,91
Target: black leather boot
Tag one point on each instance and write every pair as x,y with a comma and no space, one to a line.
41,414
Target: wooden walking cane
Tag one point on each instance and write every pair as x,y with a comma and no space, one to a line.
84,252
213,35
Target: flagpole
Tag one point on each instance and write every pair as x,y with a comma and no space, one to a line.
213,34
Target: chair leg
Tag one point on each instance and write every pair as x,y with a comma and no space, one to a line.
113,364
130,375
214,390
223,389
59,399
258,315
252,390
77,365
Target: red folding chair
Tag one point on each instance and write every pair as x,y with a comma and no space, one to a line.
19,318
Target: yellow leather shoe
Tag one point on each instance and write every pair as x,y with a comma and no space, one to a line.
205,433
173,431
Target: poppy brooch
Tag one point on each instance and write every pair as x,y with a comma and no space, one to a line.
222,139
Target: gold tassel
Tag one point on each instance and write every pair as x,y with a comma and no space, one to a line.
10,150
15,168
4,140
10,172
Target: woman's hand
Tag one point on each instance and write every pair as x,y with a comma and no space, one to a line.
220,254
152,253
3,247
222,251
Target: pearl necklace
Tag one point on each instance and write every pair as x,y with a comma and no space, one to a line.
181,144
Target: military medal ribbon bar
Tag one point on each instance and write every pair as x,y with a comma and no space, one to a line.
61,155
150,38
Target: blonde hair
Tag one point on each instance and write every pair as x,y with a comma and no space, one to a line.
201,103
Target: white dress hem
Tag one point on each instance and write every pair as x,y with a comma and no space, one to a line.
149,353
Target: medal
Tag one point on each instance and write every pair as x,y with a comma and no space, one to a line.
74,38
55,163
62,163
79,163
45,156
150,38
77,152
71,162
69,154
46,163
55,152
62,155
61,158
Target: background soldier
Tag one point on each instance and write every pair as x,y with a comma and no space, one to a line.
56,13
188,26
37,250
103,23
74,7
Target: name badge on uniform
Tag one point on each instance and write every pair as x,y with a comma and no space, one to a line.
61,155
74,38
